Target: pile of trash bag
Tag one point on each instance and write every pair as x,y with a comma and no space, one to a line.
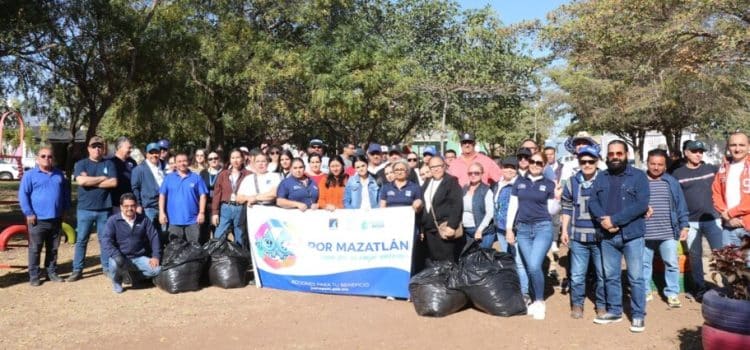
229,263
430,293
485,277
183,264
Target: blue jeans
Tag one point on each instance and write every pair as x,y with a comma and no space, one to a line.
580,255
534,241
713,233
520,269
230,215
487,239
86,219
144,268
732,236
613,249
668,252
153,215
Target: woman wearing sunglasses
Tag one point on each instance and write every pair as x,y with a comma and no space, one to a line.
533,201
274,152
478,208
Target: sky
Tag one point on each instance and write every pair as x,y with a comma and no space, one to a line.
514,11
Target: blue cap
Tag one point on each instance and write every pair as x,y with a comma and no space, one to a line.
164,144
592,151
374,148
153,146
429,150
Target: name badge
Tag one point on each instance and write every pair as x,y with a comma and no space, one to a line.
542,188
233,198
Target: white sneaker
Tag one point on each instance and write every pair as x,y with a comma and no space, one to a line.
541,311
531,308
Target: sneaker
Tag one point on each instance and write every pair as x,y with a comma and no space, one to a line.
541,311
576,312
601,312
607,318
75,276
117,287
674,302
531,308
35,282
51,276
649,296
637,326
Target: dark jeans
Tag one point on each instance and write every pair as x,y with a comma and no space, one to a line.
190,233
439,249
45,233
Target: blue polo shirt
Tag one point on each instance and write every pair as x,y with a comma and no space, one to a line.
400,197
45,195
532,199
293,189
94,198
182,197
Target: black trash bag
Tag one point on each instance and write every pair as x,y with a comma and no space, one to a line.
490,280
229,263
182,266
430,294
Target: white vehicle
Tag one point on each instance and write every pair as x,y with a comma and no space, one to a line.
8,171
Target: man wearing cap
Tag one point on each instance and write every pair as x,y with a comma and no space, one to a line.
427,154
163,152
394,155
145,182
460,167
731,190
124,165
572,145
96,178
316,146
523,155
374,159
696,178
182,201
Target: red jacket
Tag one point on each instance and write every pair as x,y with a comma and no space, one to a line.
719,186
223,188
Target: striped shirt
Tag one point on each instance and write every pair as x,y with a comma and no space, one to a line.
659,225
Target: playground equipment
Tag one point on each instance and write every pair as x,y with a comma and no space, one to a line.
17,156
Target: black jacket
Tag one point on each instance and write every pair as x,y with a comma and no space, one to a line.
447,203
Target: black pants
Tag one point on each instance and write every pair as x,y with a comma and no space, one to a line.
439,249
190,233
45,233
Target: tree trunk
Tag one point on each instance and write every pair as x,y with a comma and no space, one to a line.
673,137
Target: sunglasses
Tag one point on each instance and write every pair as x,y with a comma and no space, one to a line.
274,152
96,145
612,154
697,151
213,158
45,156
412,159
536,162
587,162
474,173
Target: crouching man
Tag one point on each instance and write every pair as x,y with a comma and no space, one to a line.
132,244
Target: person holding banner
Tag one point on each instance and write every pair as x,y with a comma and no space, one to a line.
361,190
297,191
332,186
401,192
443,200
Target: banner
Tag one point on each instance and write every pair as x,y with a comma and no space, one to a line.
356,252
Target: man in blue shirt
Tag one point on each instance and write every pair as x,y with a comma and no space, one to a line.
44,196
618,203
132,244
96,178
182,201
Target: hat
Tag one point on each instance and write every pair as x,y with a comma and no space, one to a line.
694,145
96,139
164,144
429,150
467,137
394,149
244,149
153,146
316,142
374,148
523,151
510,161
592,151
580,136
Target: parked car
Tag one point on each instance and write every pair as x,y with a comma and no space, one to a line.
8,171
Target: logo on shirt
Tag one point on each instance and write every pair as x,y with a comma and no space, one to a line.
390,193
408,193
521,186
297,187
542,188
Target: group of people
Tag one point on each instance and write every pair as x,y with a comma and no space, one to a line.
528,203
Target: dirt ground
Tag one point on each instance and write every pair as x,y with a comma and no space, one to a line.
87,314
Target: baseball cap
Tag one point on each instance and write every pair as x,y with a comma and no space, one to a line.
164,144
316,142
374,148
467,137
96,139
153,146
523,151
695,145
394,149
588,151
510,161
429,150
